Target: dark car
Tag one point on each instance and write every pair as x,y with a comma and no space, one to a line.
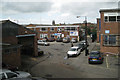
81,46
40,52
83,42
10,67
95,57
59,39
51,39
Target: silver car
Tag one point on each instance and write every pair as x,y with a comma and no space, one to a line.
8,74
41,42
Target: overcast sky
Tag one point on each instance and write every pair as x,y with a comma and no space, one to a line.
45,11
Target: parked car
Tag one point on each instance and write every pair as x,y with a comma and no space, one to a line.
81,46
59,39
74,51
51,39
7,74
10,67
83,42
45,39
40,52
66,40
74,40
41,42
95,57
32,78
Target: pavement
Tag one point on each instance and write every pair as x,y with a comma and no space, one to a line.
28,62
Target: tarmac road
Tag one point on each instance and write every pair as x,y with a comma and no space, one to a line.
59,66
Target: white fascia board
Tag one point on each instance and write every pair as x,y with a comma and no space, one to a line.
112,14
57,26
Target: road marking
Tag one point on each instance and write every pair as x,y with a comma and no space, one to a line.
107,61
99,67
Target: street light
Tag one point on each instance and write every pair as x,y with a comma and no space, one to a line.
86,50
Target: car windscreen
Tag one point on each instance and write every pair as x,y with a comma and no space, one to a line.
73,49
94,55
80,45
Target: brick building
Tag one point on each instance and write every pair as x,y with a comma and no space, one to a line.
48,31
98,29
109,30
17,40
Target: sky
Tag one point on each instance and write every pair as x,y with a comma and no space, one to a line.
45,11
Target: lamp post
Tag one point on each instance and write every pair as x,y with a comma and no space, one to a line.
86,50
79,30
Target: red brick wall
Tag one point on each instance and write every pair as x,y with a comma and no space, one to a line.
10,39
98,30
12,58
113,28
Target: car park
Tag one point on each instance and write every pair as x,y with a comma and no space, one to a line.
74,51
7,74
74,40
66,40
95,57
41,42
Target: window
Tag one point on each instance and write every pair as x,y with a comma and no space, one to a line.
3,76
52,35
112,39
11,75
43,35
43,29
73,28
118,18
109,40
51,29
112,18
70,28
106,18
59,29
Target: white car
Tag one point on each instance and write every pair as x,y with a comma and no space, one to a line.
74,51
8,74
41,42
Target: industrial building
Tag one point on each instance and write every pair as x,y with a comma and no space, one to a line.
108,31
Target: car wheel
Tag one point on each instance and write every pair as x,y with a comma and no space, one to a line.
68,56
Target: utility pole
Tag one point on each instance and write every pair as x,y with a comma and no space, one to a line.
86,50
79,30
